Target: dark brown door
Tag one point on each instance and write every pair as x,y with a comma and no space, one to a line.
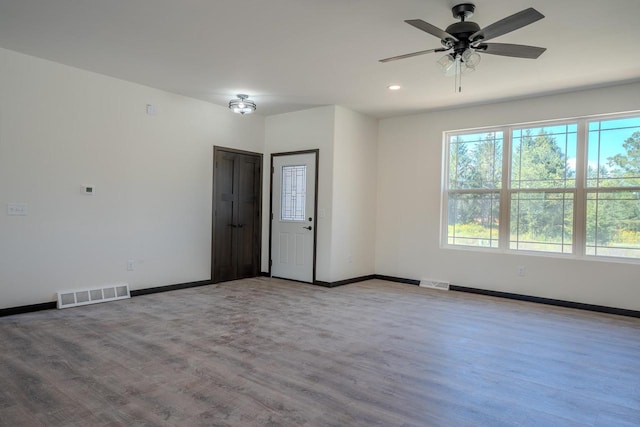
237,189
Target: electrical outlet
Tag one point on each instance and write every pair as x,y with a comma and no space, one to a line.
130,265
522,270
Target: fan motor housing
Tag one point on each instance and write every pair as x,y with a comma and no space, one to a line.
463,30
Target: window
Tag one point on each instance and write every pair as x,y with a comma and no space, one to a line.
294,195
542,188
613,188
475,177
566,188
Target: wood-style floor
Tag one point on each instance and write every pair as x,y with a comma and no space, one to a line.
274,353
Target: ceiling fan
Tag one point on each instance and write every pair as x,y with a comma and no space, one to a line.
465,39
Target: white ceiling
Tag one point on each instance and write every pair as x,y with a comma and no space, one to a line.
295,54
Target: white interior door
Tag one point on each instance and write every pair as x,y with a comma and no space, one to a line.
294,220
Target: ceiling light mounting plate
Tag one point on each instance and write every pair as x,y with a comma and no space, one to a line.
463,11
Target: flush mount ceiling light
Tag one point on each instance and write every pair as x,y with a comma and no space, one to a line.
242,105
394,87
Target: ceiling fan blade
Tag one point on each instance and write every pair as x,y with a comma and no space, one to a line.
431,29
409,55
508,24
515,50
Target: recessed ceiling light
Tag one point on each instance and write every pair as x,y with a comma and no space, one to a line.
394,87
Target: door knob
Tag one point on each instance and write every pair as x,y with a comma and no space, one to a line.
308,228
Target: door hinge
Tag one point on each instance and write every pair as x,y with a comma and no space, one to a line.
273,169
270,262
271,217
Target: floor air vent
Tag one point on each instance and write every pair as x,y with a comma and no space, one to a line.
78,297
434,284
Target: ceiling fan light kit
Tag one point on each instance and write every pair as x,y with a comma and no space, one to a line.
447,64
242,104
464,40
470,58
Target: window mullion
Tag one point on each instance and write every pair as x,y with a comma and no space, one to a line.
505,197
580,197
444,208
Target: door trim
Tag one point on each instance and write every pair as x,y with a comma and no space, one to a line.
315,203
216,153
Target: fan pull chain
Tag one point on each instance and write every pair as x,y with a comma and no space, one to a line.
458,78
455,77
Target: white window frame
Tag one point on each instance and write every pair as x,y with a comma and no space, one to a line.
579,191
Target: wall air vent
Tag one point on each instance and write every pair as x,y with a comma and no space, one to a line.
78,297
434,284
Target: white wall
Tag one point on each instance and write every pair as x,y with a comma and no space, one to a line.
303,130
346,187
409,191
61,128
354,195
